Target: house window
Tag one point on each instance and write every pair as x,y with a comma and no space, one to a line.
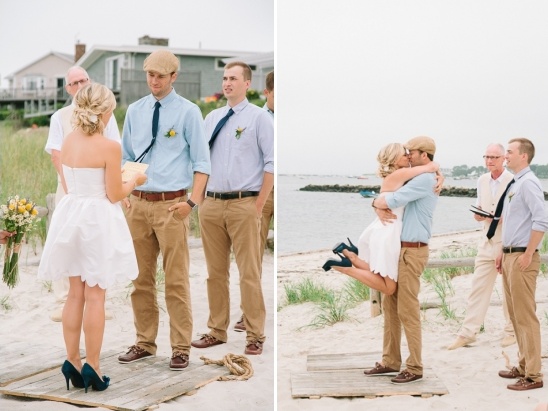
113,71
220,65
33,83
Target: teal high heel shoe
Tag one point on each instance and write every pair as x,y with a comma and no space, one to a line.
72,374
339,247
91,378
344,262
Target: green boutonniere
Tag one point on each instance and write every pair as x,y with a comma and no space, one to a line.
239,132
510,196
170,133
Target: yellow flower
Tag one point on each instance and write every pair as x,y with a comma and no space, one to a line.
23,201
12,206
34,211
28,207
239,132
21,209
170,133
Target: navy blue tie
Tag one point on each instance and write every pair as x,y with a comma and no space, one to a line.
155,118
498,212
218,127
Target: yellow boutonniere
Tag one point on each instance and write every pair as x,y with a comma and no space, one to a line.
170,133
239,132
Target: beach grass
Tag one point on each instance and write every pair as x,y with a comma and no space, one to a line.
5,304
25,168
356,291
333,305
307,291
332,311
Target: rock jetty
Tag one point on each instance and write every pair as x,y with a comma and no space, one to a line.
445,191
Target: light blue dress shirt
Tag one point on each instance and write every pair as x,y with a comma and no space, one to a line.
172,160
420,200
524,210
238,162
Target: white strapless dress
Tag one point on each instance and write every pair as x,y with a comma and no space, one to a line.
380,246
88,236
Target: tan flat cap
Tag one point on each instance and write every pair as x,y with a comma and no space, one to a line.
161,61
422,143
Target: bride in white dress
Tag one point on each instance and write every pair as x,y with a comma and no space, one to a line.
379,245
89,240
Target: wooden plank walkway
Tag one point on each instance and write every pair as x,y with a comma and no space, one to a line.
341,375
133,387
19,360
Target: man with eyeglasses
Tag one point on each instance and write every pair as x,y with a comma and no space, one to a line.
60,127
491,185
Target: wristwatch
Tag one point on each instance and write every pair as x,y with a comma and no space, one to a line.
192,204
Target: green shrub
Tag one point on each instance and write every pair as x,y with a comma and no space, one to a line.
253,94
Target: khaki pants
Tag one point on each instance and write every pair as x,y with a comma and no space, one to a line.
520,288
154,229
402,309
226,223
268,214
485,275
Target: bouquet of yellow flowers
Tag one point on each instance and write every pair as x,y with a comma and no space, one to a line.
19,215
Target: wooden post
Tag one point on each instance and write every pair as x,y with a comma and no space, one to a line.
376,302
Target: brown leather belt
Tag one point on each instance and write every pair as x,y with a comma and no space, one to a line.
508,250
409,244
165,196
233,195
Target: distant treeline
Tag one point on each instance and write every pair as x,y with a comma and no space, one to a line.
445,191
541,171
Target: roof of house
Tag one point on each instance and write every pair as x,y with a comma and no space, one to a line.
256,59
96,51
68,57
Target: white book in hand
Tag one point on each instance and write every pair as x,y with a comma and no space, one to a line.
481,212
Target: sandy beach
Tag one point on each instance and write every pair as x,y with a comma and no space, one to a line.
28,321
470,373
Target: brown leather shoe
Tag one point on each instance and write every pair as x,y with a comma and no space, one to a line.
513,373
206,341
134,353
405,377
179,361
254,348
240,326
380,369
524,384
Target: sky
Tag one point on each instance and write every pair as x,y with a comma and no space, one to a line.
30,29
354,76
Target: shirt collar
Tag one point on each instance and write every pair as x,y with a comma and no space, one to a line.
165,101
238,107
522,173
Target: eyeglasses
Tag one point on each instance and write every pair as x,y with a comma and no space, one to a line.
491,157
77,82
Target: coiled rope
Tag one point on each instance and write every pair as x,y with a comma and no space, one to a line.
239,366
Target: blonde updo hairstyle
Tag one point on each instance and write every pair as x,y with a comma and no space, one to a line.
92,102
387,158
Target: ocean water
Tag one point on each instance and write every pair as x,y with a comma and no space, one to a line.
308,221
